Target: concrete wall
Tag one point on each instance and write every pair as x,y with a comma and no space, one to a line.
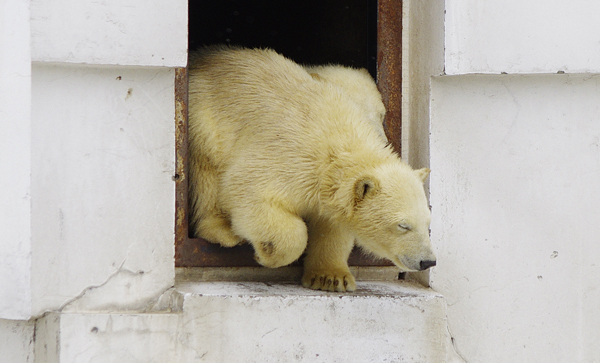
123,32
515,194
15,160
522,36
422,58
87,153
17,341
102,189
514,186
514,159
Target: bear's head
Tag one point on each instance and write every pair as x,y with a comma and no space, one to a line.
391,217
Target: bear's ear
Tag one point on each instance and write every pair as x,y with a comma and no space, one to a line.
364,187
423,174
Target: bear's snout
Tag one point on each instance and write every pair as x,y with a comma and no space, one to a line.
425,264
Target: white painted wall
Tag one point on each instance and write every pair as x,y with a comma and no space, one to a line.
265,323
423,57
514,186
102,189
107,338
123,32
15,165
87,151
514,159
522,36
514,192
16,341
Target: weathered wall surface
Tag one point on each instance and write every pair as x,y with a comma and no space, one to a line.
17,341
123,32
514,186
522,36
422,58
515,197
15,163
87,146
102,189
515,167
87,158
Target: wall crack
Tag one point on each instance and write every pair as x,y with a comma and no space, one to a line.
458,355
90,288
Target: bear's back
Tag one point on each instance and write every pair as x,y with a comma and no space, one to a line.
261,123
246,83
252,68
245,94
254,108
259,97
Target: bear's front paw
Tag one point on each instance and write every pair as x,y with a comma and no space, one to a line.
329,280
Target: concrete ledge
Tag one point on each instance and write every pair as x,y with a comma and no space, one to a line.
98,337
282,274
258,322
263,322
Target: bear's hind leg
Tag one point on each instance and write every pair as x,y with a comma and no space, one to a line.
216,228
207,220
326,261
278,236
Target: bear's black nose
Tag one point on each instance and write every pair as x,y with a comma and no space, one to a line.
427,264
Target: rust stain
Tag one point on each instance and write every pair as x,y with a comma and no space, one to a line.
181,150
389,67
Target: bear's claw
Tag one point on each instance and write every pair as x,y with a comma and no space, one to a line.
329,281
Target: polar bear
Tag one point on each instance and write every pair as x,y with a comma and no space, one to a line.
293,164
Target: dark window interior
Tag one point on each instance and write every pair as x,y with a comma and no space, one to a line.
309,31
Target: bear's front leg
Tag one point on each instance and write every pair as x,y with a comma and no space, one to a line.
326,261
277,235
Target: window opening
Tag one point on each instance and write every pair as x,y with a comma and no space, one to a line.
357,33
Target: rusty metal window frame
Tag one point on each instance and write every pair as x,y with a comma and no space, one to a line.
196,252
